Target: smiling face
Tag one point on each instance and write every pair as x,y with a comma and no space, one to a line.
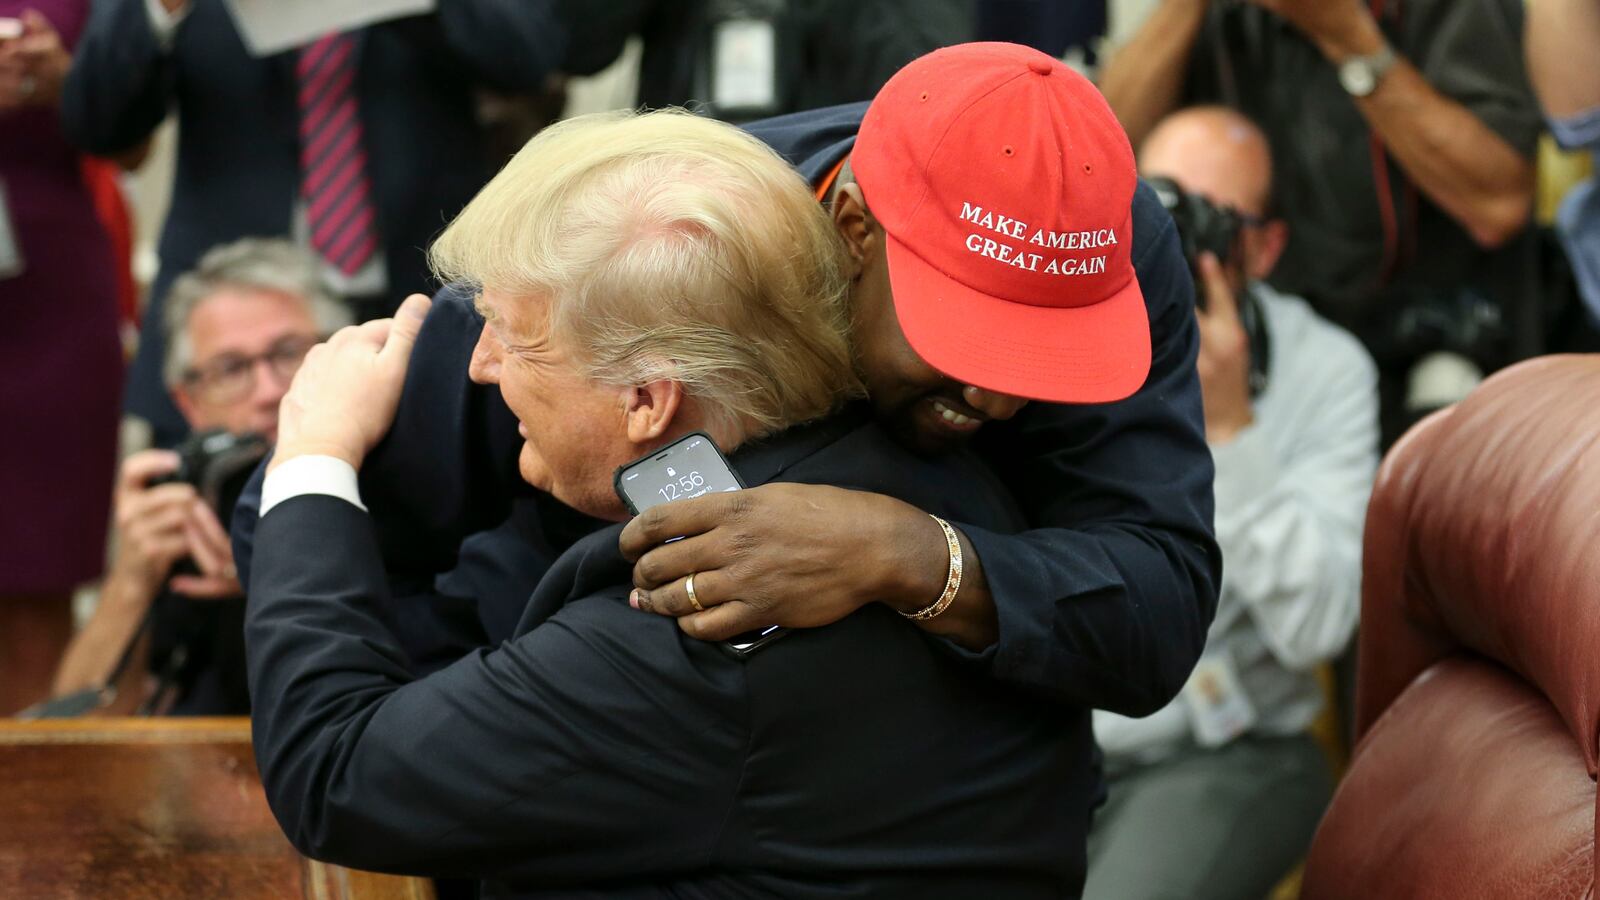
575,430
925,410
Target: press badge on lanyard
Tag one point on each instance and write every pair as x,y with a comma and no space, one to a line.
744,59
11,264
1217,702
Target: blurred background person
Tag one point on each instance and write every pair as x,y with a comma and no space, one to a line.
358,146
60,358
1404,136
740,60
1564,63
745,59
1228,770
170,640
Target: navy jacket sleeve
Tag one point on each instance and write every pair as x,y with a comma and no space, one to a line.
447,468
549,758
1106,603
122,82
512,45
599,31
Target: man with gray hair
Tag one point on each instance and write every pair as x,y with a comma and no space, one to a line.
238,327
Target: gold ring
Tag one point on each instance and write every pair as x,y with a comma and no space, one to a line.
688,587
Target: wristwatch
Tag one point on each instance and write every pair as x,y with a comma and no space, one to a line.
1360,75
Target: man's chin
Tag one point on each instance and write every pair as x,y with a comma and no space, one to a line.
923,428
925,440
533,471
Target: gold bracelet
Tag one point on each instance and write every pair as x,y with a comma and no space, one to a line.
952,581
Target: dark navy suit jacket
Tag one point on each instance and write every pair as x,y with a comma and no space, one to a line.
238,138
1103,603
600,752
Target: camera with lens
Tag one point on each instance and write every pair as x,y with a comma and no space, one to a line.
218,464
1203,226
1206,227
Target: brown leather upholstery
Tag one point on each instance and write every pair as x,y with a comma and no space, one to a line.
1478,699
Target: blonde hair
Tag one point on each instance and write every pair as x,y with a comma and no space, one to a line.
670,247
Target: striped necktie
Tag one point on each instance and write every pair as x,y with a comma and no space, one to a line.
333,161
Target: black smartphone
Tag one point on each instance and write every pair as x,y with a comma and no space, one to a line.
691,466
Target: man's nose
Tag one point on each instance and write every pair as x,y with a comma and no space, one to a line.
993,405
485,365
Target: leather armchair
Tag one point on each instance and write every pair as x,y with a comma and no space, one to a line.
1478,693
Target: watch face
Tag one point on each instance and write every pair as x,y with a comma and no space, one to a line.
1357,77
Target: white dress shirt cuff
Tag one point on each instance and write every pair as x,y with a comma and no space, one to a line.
310,474
163,23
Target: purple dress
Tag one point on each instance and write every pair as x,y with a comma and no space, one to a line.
61,365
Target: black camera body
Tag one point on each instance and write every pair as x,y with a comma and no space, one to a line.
1203,226
1206,227
218,464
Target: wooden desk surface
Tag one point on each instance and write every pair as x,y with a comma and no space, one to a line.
102,809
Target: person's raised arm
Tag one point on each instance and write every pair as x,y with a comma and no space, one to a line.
1143,81
124,77
1563,40
1471,171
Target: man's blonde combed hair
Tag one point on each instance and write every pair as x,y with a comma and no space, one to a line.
671,247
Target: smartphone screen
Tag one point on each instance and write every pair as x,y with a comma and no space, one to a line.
692,466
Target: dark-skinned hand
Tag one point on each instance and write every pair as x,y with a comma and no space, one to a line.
795,555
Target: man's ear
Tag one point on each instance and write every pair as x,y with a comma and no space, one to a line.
1270,239
855,225
651,409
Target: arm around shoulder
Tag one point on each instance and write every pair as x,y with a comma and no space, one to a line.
1106,603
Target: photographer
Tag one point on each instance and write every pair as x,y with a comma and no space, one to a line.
1405,136
1228,770
166,636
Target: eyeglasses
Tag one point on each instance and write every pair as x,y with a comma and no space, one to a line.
232,376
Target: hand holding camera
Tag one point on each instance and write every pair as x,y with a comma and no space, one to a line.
1235,349
162,522
1224,360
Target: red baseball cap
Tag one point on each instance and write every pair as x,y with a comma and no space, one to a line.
1004,185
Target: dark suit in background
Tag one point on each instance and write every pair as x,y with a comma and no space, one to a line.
824,51
601,752
238,171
